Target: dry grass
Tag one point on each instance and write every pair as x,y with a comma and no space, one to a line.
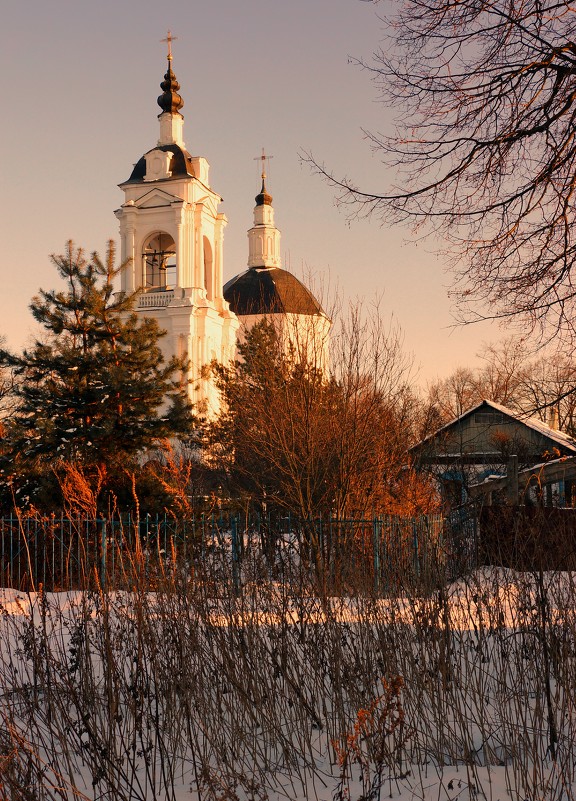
265,689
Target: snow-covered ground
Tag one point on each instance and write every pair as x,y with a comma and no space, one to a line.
186,693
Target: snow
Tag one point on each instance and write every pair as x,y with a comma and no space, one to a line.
197,692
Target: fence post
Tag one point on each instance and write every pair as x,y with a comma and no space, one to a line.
103,546
415,545
512,479
235,557
12,543
376,544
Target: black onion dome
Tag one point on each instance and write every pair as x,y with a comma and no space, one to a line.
262,290
170,100
180,163
263,199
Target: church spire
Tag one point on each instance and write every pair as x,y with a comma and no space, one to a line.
263,199
263,237
171,121
170,101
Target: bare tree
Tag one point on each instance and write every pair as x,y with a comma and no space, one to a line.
452,396
541,387
314,443
501,375
486,97
546,389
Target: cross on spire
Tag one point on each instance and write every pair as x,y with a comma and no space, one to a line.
170,101
263,198
169,39
263,158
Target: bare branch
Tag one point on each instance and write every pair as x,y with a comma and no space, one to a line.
484,149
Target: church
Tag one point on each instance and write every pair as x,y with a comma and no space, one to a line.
172,236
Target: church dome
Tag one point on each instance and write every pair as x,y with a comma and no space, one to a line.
265,288
180,163
170,101
264,198
269,291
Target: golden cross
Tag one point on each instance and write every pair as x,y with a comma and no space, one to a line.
263,158
169,39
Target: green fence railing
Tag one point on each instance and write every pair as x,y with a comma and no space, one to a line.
371,555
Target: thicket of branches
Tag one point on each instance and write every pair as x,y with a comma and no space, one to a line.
317,443
484,97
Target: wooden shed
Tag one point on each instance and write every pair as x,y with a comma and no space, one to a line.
493,451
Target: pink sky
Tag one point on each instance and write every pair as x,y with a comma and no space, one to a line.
79,87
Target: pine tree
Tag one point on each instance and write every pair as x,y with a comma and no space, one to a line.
267,434
97,390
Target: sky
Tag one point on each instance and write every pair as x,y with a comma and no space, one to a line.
79,82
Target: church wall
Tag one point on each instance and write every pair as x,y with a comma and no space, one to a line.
195,311
307,335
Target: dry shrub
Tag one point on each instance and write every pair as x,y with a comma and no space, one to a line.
174,471
80,486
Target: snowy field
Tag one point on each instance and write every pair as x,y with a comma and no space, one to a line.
193,693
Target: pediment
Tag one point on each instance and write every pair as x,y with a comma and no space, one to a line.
155,198
210,202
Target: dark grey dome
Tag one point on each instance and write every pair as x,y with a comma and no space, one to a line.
262,290
264,198
180,163
170,101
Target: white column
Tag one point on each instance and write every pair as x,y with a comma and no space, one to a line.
180,257
198,247
219,227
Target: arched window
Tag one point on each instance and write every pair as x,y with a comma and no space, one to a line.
159,260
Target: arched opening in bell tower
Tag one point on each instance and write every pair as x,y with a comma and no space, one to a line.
159,262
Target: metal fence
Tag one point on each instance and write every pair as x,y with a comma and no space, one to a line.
373,555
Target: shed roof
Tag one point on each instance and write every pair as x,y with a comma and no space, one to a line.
559,438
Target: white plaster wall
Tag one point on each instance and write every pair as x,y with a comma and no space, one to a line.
187,210
307,335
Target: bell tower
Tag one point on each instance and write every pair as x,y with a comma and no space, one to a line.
172,233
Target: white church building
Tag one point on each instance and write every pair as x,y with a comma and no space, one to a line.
172,236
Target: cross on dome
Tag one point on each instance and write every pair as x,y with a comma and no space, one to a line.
263,158
169,39
263,198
